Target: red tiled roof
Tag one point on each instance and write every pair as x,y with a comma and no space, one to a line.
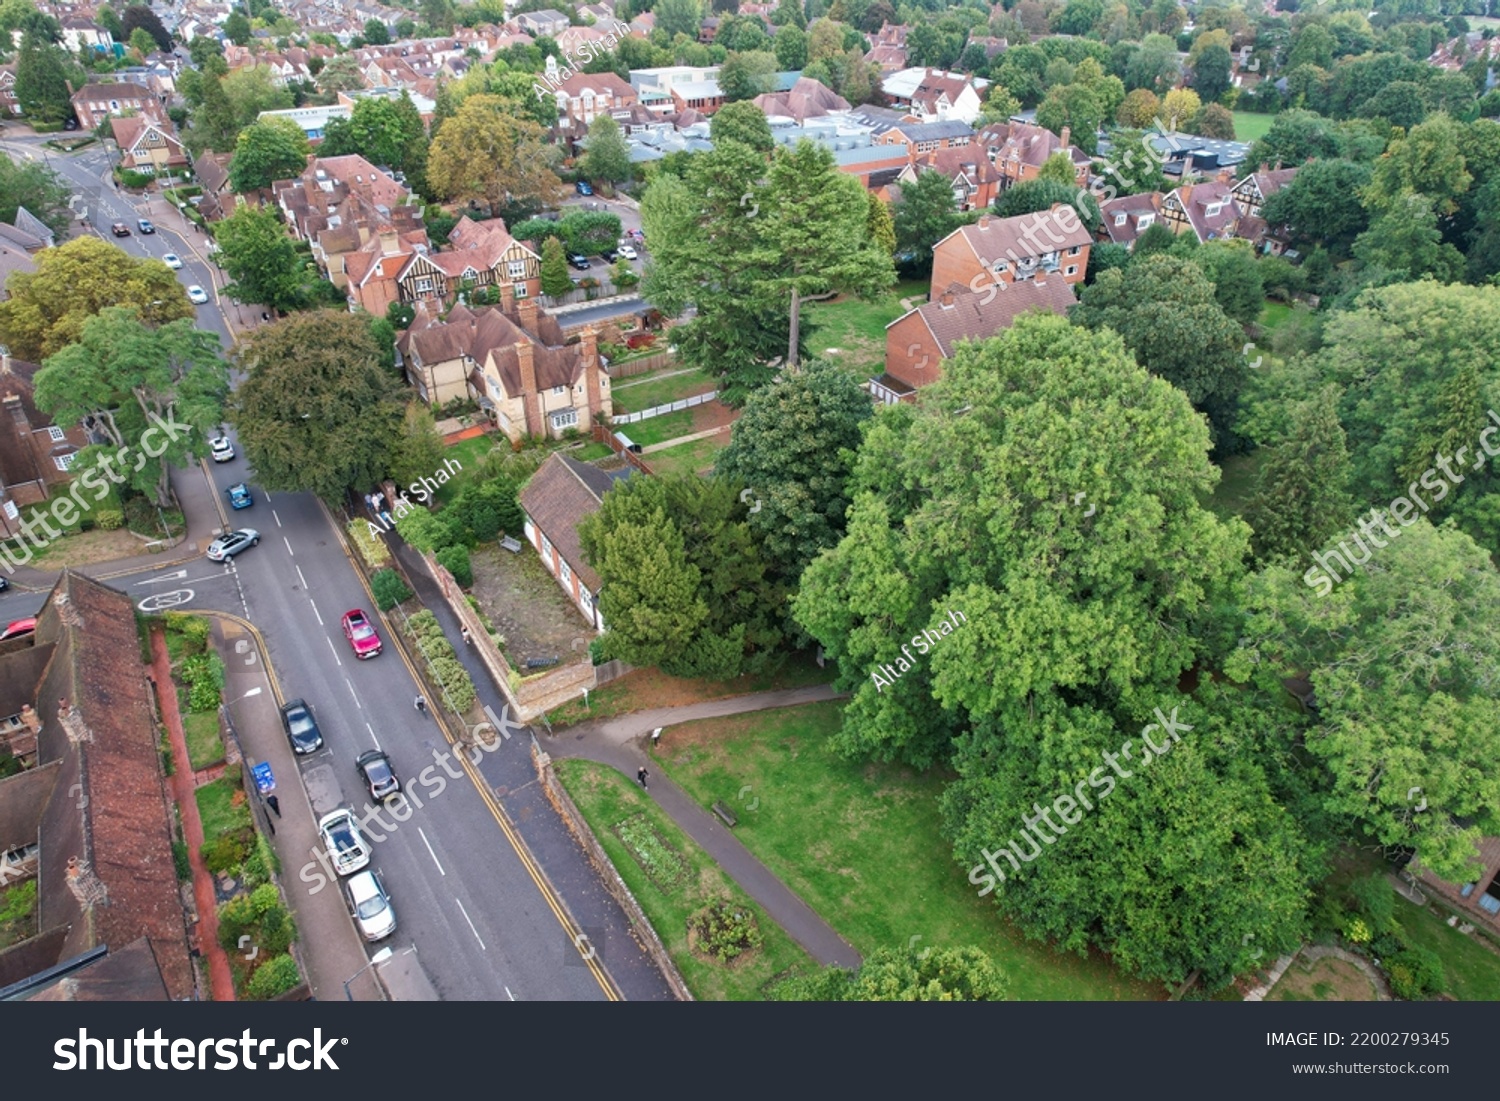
965,315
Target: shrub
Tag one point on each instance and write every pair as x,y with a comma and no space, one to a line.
1357,932
265,898
273,978
1375,900
725,930
254,869
140,517
182,861
455,560
1415,973
389,589
236,919
370,546
193,629
277,930
225,854
1387,946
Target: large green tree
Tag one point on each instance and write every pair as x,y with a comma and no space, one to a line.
273,149
259,256
386,132
36,187
125,376
317,411
486,153
793,449
904,975
1405,243
608,154
1321,203
43,73
1302,490
925,213
744,123
47,308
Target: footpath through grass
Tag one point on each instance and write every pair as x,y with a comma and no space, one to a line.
861,844
681,880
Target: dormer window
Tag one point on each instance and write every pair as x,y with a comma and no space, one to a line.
1120,219
1213,210
1145,220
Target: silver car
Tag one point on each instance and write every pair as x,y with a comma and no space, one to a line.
231,543
370,905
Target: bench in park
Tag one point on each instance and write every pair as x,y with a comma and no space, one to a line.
725,813
512,545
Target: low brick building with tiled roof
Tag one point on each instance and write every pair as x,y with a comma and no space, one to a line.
559,497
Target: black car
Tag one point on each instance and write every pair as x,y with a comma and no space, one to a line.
301,728
4,584
578,261
609,256
376,771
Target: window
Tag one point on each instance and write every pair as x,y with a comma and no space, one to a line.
1073,251
564,572
559,390
57,434
1489,904
424,286
520,289
1072,269
1213,210
568,418
64,462
547,548
1119,219
516,269
1145,221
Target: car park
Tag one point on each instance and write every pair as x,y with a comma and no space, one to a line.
145,225
239,496
362,636
197,295
221,449
172,260
343,842
609,256
301,726
578,261
378,775
583,187
628,251
370,905
232,543
120,229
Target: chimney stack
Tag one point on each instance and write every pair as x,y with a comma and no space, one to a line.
946,300
507,299
531,401
984,220
390,242
527,310
1067,133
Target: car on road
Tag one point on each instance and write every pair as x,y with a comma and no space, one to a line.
145,225
120,229
609,255
343,842
378,775
370,905
172,260
239,496
231,543
363,639
583,187
197,295
4,584
628,251
578,261
18,628
301,726
221,449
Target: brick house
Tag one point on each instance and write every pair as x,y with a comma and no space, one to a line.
927,137
91,820
147,145
1250,195
513,360
9,105
483,254
583,97
1010,250
1129,216
373,270
806,99
974,179
933,95
338,204
917,342
93,103
1018,150
559,497
35,454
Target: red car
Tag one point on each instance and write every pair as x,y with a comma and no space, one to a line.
361,635
18,628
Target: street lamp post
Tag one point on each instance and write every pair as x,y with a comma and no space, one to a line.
379,957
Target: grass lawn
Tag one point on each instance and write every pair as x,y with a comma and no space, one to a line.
1473,970
631,396
590,451
1273,315
606,799
204,746
860,843
857,329
660,429
1325,980
1250,126
218,809
645,689
686,458
1231,496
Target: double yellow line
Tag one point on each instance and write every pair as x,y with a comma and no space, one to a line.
517,843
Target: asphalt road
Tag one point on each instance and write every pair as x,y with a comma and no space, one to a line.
483,927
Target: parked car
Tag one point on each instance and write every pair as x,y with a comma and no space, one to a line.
583,187
18,628
120,229
363,639
609,255
231,543
239,496
301,726
145,225
578,261
370,905
221,449
376,771
343,842
4,583
172,260
628,251
197,295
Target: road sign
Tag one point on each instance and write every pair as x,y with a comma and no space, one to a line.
265,782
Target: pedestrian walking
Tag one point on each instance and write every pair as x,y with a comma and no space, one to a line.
421,704
468,638
641,775
275,804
